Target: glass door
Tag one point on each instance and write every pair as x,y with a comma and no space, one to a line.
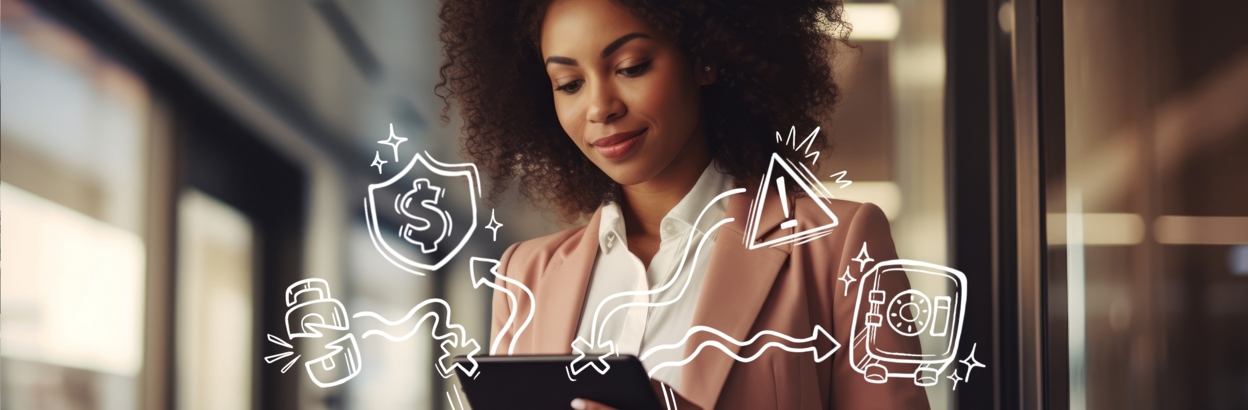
1149,223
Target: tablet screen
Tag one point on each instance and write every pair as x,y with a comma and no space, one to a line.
543,382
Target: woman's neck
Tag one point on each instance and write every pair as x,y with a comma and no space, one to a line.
646,204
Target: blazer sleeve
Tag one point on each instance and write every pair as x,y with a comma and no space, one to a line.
868,228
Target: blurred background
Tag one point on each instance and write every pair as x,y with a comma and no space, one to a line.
1149,214
168,168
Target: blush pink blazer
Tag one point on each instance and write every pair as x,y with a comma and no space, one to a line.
787,289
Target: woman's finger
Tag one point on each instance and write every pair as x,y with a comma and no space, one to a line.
582,404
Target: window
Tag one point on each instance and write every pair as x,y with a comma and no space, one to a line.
73,198
214,306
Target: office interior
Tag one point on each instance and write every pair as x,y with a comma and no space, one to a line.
168,168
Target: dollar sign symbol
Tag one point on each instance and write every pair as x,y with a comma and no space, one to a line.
426,195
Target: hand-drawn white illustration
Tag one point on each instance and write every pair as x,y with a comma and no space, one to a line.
955,378
458,398
324,369
438,313
971,363
273,358
580,346
795,145
789,344
378,162
485,272
493,225
795,176
908,313
863,258
306,301
669,396
428,196
847,279
309,300
431,238
840,179
393,141
429,225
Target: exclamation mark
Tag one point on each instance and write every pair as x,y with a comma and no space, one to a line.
784,205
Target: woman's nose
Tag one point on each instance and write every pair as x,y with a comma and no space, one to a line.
605,105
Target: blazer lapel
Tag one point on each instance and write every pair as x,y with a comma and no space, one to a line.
737,283
561,292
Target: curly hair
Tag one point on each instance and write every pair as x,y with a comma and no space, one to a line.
774,72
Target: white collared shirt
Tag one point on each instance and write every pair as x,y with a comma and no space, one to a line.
638,328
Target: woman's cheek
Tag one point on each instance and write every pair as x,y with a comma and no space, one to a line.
643,100
663,100
572,121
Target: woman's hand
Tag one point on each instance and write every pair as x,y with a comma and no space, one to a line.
582,404
681,403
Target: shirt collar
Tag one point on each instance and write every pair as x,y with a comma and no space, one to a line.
611,228
680,219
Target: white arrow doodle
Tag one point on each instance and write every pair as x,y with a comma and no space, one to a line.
580,345
484,271
789,344
452,335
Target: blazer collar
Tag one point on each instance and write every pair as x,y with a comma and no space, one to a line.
561,291
737,283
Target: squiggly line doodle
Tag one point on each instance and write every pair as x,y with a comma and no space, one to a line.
313,314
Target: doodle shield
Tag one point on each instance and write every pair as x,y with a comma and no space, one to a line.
405,255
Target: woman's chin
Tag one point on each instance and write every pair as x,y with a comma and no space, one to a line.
629,174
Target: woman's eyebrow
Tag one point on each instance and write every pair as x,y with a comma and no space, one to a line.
615,45
560,60
610,48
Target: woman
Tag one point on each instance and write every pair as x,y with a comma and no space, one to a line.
641,115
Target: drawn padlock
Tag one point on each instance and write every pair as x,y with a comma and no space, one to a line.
308,301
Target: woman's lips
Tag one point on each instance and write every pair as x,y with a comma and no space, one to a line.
618,145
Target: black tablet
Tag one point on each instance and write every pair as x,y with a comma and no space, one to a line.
543,382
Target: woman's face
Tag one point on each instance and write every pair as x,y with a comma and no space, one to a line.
627,95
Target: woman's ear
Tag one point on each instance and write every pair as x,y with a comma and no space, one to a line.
704,73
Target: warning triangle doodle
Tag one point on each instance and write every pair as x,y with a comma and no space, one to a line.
786,177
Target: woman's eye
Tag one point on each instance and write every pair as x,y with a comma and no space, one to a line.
634,71
571,87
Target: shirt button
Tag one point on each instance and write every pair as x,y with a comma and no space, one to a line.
670,227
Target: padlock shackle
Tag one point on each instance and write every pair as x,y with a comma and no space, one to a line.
318,285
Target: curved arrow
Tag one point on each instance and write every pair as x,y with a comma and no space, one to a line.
580,346
488,275
597,329
790,344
